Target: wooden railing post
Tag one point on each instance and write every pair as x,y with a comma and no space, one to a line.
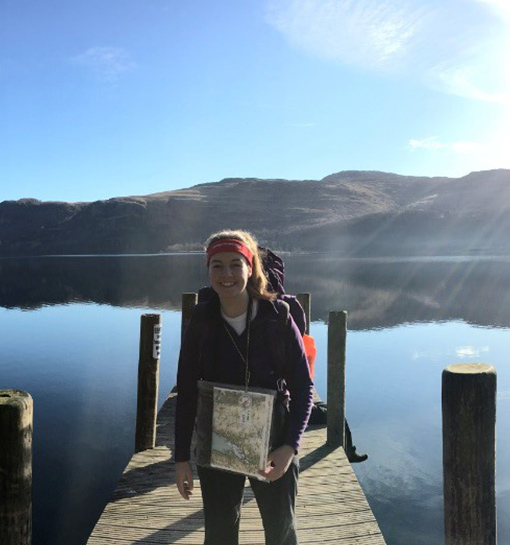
337,336
469,455
16,418
305,300
148,381
189,301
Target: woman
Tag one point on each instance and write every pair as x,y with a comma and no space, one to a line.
231,339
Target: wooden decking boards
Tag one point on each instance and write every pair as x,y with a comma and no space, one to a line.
146,508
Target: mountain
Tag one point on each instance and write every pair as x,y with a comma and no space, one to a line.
352,212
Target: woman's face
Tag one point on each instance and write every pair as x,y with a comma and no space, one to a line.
229,273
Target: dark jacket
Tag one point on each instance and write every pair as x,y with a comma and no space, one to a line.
208,353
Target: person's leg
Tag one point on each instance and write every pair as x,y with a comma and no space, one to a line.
222,496
348,437
277,501
350,449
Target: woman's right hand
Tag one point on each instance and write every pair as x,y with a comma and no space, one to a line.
184,479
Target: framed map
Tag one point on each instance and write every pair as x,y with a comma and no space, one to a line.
241,429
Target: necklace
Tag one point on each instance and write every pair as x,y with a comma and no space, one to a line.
243,357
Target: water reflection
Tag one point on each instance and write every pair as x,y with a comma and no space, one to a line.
130,281
385,293
394,409
79,361
378,293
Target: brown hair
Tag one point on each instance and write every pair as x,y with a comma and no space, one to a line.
257,283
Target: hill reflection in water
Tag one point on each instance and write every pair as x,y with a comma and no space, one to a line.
377,293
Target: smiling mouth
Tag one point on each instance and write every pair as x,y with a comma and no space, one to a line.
227,284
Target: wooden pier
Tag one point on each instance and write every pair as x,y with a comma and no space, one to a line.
147,509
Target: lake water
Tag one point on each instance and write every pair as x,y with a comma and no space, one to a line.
70,331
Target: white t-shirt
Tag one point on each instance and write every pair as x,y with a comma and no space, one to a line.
239,322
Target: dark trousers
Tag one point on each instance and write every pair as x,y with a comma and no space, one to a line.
222,495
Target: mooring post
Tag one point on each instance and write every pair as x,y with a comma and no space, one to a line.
337,336
469,454
304,299
16,419
148,381
189,301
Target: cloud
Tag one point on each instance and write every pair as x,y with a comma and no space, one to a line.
480,73
369,33
108,63
490,150
503,395
500,7
461,352
459,47
470,351
433,144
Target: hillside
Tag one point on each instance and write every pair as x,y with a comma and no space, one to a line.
352,212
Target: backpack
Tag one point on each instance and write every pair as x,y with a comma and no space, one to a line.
275,272
274,268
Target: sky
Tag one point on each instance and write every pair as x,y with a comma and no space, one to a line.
108,98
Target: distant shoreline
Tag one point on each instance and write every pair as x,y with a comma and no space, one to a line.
374,258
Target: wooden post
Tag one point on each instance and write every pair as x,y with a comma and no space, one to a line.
337,335
148,381
305,299
16,418
189,301
469,454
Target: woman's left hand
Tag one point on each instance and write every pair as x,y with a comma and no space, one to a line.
278,461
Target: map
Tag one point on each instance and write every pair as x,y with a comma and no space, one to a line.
241,428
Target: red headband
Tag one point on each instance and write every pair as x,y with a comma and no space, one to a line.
229,245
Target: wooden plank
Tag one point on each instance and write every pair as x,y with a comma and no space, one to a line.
146,508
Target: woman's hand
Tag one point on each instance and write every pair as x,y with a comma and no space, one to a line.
278,461
184,479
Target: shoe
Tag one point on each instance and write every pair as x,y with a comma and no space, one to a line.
354,457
